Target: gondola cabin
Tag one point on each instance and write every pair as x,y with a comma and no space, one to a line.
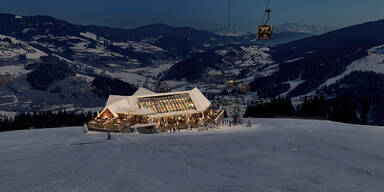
265,32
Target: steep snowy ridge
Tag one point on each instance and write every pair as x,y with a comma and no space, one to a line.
373,62
320,58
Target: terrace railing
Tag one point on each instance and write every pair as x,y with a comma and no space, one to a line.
219,119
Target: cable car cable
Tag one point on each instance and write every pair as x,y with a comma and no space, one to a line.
265,30
267,13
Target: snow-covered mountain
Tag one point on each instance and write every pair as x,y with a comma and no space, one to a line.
373,62
50,64
301,28
273,155
210,70
278,38
14,49
67,63
326,57
328,64
346,61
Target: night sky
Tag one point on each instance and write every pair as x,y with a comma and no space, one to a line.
201,14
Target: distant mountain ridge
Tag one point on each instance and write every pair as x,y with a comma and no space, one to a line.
34,50
339,62
302,28
278,38
36,46
318,58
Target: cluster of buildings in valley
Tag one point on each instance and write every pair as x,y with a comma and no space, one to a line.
149,112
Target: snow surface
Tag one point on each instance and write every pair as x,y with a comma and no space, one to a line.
292,85
139,47
294,60
89,35
26,30
86,78
15,70
126,76
273,155
18,48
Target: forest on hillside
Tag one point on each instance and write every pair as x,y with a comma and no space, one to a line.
339,109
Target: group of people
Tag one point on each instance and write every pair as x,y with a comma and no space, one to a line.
176,123
163,124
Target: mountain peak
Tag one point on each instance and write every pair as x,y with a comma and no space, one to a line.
302,28
165,28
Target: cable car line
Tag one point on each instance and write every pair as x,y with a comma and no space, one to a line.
265,30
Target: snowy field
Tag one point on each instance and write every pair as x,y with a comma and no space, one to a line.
274,155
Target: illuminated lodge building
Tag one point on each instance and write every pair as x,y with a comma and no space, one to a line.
147,111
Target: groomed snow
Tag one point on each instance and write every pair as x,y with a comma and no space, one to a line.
273,155
292,85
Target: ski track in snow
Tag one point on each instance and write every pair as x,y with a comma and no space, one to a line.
273,155
292,85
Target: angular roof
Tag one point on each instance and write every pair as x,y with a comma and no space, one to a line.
129,104
114,98
143,91
200,101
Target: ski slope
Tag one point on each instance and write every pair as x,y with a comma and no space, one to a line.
373,62
274,155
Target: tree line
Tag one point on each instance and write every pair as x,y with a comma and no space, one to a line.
339,109
36,120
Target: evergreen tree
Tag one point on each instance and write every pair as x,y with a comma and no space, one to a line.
277,107
364,109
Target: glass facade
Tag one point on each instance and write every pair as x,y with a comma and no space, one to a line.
167,103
